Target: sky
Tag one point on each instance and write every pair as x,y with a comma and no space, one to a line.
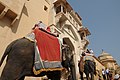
102,18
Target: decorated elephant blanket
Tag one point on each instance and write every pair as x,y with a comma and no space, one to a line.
48,54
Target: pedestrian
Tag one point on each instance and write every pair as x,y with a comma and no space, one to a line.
117,77
107,73
103,74
91,51
110,76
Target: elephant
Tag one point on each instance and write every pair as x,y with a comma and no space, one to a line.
20,62
90,68
87,67
68,62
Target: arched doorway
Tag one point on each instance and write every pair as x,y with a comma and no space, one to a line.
68,42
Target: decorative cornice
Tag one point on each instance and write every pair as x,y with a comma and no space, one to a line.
84,29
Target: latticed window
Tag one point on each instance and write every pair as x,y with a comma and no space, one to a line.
64,9
58,9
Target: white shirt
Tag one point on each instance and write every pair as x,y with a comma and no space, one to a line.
107,70
42,25
116,76
91,51
103,72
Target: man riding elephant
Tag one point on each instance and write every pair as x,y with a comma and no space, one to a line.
87,65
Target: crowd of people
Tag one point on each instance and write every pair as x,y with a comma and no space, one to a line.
108,76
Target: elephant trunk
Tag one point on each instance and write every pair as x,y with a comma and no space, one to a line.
9,47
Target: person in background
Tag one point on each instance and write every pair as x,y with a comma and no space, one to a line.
88,53
91,51
40,24
107,73
110,76
117,76
103,74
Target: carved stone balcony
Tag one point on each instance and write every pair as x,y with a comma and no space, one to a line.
61,17
84,29
85,43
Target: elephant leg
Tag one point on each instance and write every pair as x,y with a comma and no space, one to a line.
86,70
72,69
54,75
92,76
73,73
87,78
81,75
87,75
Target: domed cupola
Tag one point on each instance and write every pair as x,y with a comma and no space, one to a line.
107,60
105,56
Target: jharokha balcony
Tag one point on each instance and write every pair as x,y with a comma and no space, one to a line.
85,30
85,43
65,12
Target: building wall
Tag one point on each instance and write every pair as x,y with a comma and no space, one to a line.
99,67
28,13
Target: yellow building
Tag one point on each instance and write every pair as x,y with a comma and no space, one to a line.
17,17
108,61
99,67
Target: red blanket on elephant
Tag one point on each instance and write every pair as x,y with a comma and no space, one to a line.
47,52
48,46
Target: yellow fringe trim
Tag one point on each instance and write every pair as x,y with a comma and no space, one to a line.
48,69
29,39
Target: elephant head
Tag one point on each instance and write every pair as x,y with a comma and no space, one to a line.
68,62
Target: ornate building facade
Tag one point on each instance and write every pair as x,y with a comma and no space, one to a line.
17,17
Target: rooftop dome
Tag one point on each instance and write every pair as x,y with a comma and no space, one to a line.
107,60
105,55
